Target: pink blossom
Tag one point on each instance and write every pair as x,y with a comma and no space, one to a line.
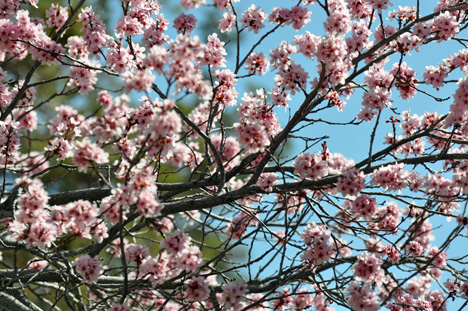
380,5
89,268
435,76
197,289
418,286
227,22
137,253
9,9
9,141
414,248
403,14
317,238
280,98
59,147
267,181
339,19
332,51
257,63
423,29
360,38
37,264
77,47
189,259
293,79
257,123
128,26
390,177
233,295
406,81
387,218
86,153
214,52
307,44
302,299
310,166
120,59
368,269
155,268
253,18
185,23
352,182
359,9
82,77
299,17
283,300
226,93
190,4
446,26
148,204
364,206
362,298
119,307
176,242
140,81
56,16
155,34
95,37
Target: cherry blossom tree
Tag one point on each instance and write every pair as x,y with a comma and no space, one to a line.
303,155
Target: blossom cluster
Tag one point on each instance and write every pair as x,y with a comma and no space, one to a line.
171,182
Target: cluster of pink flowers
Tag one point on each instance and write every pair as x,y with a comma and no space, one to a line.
403,14
31,223
83,77
391,177
151,140
362,297
139,191
297,16
253,18
352,182
318,241
95,37
360,37
81,219
406,80
367,269
364,206
140,81
339,20
86,153
257,63
446,26
185,23
434,76
310,165
227,22
233,295
380,5
9,142
257,122
185,52
155,32
226,93
214,53
56,16
89,268
197,289
387,218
